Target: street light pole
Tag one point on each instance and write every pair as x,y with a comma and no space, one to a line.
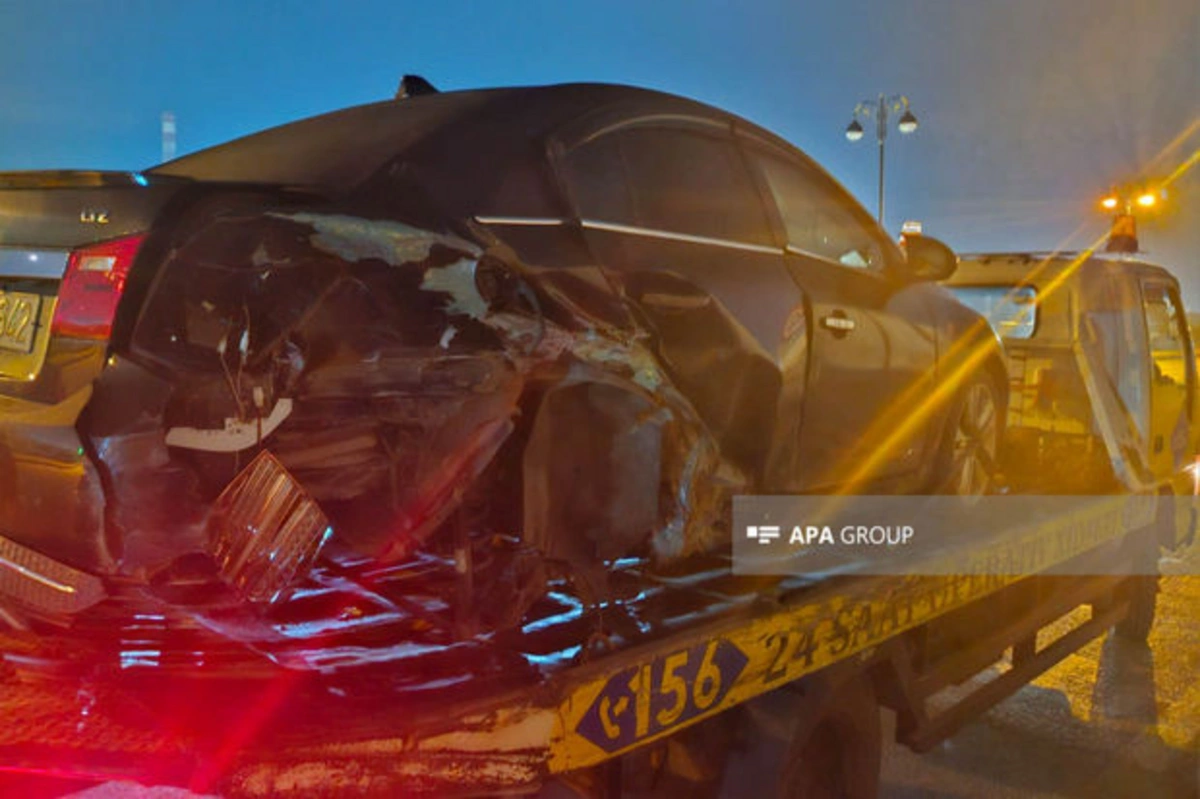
880,109
881,135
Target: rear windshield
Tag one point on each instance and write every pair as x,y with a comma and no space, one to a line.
1011,310
336,150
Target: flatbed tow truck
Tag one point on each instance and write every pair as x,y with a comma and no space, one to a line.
505,714
398,695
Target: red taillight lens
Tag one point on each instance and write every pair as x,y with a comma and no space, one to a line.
92,286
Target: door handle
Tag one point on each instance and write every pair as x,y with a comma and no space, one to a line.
838,323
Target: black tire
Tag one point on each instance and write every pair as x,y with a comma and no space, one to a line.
1141,589
1143,605
837,754
968,457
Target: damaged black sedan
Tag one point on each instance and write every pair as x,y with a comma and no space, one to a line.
526,331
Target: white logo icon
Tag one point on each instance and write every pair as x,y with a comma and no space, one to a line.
764,533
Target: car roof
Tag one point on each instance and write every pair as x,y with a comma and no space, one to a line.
1011,268
341,148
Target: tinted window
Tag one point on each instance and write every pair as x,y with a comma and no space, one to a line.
686,182
476,170
522,190
817,216
595,176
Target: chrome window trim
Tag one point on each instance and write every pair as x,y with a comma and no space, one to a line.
530,221
792,249
614,227
633,230
24,262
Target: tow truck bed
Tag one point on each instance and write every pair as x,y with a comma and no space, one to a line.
504,711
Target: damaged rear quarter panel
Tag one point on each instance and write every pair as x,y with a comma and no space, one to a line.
364,355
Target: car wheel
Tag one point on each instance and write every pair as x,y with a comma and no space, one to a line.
1143,599
1141,588
840,756
968,461
818,738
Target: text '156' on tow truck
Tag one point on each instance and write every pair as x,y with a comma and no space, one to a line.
395,450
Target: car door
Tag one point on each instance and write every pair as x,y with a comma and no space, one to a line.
670,206
1172,377
873,340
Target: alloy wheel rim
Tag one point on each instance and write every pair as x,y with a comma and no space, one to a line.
975,442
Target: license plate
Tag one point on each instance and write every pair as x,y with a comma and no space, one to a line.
18,320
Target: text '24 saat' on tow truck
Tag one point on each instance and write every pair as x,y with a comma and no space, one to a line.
394,451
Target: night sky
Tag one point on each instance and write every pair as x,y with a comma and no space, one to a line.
1029,109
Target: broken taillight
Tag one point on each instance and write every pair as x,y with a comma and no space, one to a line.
92,287
266,531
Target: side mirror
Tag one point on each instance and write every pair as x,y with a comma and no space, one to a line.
926,258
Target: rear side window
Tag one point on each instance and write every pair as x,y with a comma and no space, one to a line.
595,176
818,217
689,182
522,190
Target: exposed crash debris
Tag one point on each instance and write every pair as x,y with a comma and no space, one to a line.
235,436
457,280
354,239
428,393
266,531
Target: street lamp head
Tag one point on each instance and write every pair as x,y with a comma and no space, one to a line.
854,131
1110,202
1147,200
907,123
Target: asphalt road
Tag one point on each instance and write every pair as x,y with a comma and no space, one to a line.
1113,720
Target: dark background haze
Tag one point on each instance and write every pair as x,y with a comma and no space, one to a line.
1029,109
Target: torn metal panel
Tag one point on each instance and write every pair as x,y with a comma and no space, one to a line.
356,239
701,486
154,505
611,468
592,473
457,280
